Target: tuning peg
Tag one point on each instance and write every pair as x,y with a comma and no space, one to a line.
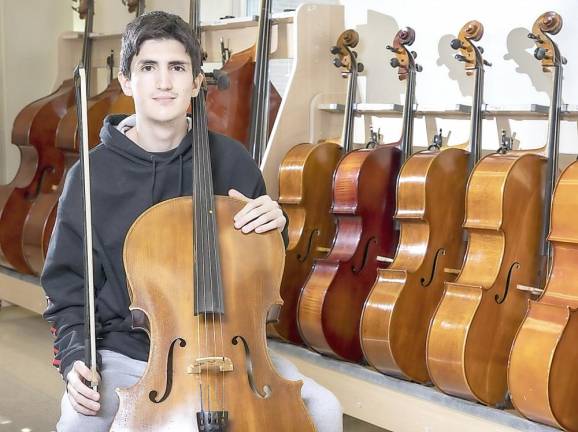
481,50
334,50
563,60
360,67
487,63
337,62
456,44
392,49
534,37
414,54
460,57
354,54
540,53
394,62
418,68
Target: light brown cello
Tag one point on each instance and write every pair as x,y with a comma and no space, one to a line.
430,208
475,323
541,374
305,185
208,366
41,216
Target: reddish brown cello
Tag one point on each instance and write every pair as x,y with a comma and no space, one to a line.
541,374
430,207
332,299
475,323
40,220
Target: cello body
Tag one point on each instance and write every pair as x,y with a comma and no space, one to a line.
41,216
305,195
332,299
541,378
476,321
397,314
40,169
249,291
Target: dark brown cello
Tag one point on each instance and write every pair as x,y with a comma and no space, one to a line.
305,181
541,372
430,208
40,219
476,321
332,299
208,366
229,109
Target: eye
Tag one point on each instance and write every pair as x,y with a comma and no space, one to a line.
179,68
147,68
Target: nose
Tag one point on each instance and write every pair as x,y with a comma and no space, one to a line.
164,81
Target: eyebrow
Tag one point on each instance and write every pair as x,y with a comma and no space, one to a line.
171,63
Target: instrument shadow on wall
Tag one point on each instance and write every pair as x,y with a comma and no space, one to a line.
455,69
379,31
519,46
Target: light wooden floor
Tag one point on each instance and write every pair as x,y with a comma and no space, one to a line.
30,388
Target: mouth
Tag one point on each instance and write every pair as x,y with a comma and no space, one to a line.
164,99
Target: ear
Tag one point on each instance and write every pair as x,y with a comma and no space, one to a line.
124,84
197,83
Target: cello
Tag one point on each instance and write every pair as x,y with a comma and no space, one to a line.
305,180
229,110
543,385
474,325
208,366
430,209
40,219
363,190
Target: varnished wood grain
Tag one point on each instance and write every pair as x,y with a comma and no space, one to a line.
161,286
471,333
397,314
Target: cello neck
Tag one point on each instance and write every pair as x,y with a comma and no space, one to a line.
195,18
207,264
349,114
408,116
260,97
476,119
140,8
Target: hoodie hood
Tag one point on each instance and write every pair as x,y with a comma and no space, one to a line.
113,137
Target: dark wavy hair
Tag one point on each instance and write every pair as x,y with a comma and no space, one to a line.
158,25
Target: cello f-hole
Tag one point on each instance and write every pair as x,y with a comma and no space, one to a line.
153,394
302,258
249,368
356,269
425,283
46,171
497,298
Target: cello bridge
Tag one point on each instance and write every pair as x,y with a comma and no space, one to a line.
222,364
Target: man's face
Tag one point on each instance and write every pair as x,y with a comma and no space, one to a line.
161,81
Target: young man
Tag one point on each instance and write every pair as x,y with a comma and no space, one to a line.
142,160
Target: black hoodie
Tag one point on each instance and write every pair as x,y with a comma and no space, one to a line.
126,180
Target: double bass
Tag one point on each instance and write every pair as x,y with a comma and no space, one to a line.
41,216
229,110
430,209
208,366
477,318
541,379
363,204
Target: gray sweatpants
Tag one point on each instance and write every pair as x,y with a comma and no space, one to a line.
122,371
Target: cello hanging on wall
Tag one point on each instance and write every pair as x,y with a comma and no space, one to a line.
430,209
541,373
363,204
476,321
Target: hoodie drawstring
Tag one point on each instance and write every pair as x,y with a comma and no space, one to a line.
154,181
181,175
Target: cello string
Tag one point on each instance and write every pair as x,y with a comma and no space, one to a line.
216,257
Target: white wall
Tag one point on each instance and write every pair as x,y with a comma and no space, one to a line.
516,77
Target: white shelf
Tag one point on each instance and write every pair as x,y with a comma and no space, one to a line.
398,405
